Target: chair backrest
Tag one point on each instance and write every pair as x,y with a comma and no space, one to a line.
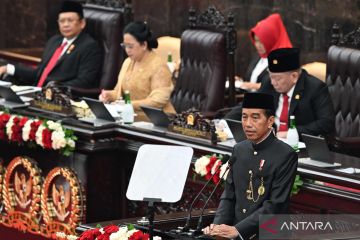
106,24
206,62
343,80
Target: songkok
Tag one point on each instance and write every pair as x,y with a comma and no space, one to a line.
72,6
284,60
259,100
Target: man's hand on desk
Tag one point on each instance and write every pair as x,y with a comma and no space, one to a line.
2,71
222,231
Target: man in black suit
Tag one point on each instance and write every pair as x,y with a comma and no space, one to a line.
70,59
306,97
261,177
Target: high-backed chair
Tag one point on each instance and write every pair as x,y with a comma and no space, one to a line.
343,80
106,24
206,51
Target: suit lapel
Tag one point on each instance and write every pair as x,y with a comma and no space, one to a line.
297,94
67,51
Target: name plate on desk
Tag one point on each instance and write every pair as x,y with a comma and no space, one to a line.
193,123
52,100
190,132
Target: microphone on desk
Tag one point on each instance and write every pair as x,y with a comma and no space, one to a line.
188,219
199,225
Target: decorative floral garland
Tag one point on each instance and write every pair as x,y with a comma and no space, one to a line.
111,232
46,133
207,165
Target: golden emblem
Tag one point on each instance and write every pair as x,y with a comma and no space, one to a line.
61,200
250,190
261,190
49,94
297,96
275,61
190,119
23,188
72,46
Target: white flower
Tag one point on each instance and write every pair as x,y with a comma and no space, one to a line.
26,130
215,166
223,169
71,143
119,235
58,140
200,165
9,125
38,135
71,237
54,126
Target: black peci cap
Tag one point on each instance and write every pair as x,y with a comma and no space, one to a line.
72,6
259,100
284,60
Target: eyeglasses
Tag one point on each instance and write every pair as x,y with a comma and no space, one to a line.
128,46
69,20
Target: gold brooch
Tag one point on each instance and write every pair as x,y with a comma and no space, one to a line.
72,46
297,96
275,61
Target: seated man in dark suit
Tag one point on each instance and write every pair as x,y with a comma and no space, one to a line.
296,93
70,59
260,178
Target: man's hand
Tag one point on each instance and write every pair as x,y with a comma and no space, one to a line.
222,230
3,70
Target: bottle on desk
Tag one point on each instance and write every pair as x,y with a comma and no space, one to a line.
128,109
292,134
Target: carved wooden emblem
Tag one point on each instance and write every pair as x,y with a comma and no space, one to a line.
21,195
62,202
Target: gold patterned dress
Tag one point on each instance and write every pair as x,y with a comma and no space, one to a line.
148,81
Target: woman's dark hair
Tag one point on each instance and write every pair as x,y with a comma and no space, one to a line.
141,32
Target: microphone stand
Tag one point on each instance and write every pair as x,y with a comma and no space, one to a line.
188,219
199,225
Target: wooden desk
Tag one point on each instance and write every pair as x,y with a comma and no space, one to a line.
104,159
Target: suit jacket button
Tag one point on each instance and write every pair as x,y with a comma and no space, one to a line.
244,210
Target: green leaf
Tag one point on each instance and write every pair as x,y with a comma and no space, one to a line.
130,227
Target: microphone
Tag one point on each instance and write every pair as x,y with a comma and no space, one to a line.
188,219
199,226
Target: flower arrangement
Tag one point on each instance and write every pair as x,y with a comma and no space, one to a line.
207,165
48,134
111,232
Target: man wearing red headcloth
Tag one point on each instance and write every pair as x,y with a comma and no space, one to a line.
71,58
268,34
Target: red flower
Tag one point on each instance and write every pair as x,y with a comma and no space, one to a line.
139,235
4,118
34,127
16,129
23,121
46,138
111,229
209,167
104,236
90,234
216,177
